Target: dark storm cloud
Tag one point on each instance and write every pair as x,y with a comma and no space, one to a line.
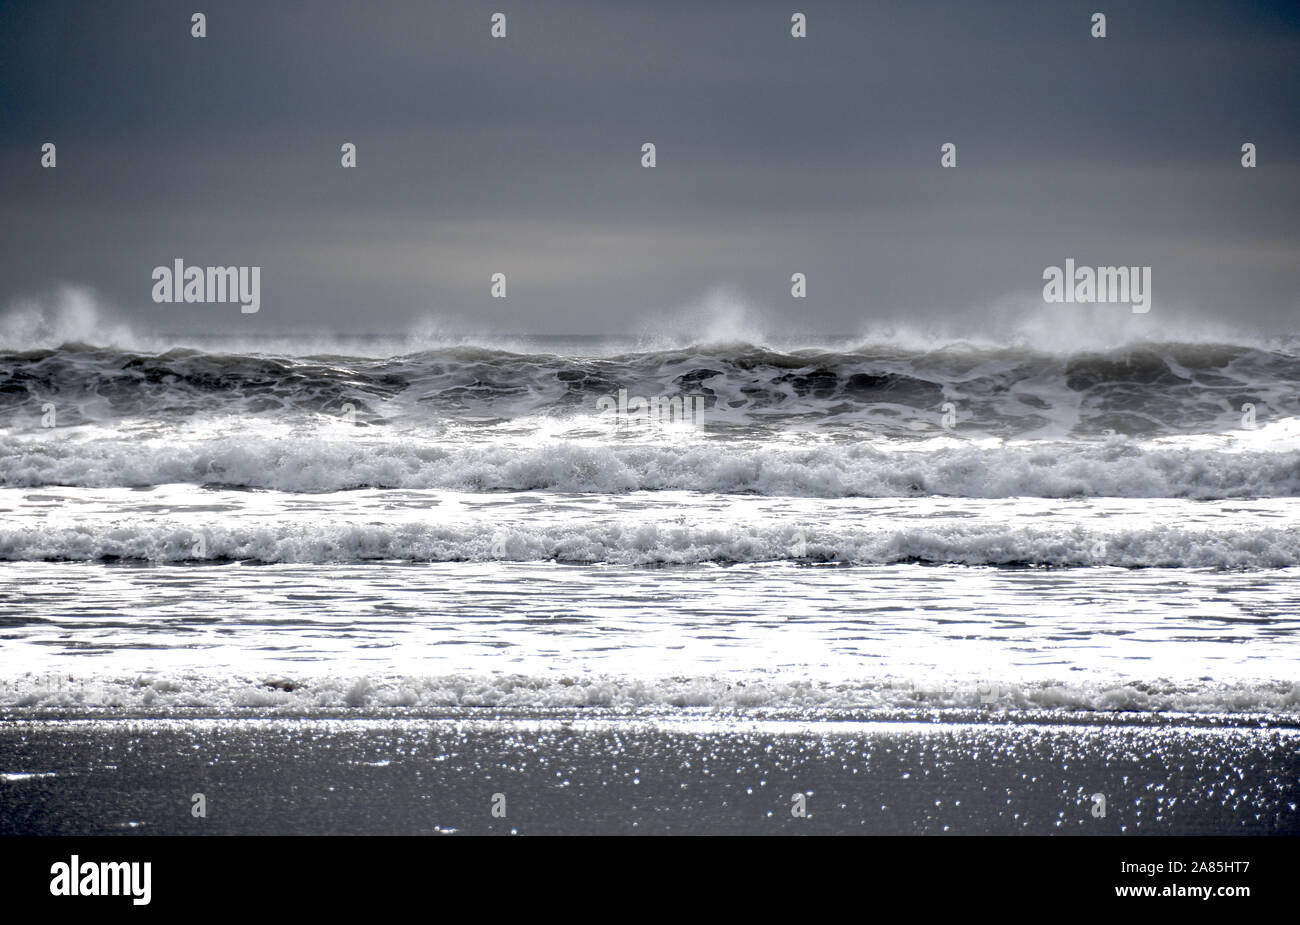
775,155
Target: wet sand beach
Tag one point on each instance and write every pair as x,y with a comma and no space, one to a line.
686,774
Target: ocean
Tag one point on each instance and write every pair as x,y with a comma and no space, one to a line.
898,581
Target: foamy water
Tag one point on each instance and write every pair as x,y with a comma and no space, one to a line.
461,526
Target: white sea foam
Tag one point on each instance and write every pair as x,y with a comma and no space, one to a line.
1124,468
487,454
640,540
315,694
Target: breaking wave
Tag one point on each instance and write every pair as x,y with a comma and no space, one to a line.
1138,390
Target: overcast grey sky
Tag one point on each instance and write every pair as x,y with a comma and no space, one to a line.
775,155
